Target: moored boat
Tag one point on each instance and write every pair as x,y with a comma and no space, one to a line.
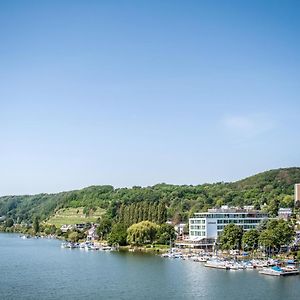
277,271
25,236
217,265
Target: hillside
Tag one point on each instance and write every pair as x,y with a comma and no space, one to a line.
73,216
274,188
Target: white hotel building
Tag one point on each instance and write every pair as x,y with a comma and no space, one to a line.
297,193
209,225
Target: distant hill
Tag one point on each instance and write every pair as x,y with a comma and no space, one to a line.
284,178
275,188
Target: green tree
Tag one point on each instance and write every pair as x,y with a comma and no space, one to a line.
9,222
165,234
231,237
161,213
277,233
36,225
135,213
86,211
131,214
140,211
58,232
117,235
49,229
250,240
126,216
219,202
256,205
273,207
142,233
145,211
287,201
121,213
154,214
73,236
104,227
266,239
283,233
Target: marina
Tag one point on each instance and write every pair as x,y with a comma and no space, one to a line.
88,246
272,267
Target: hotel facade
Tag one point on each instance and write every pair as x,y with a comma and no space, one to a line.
297,193
209,225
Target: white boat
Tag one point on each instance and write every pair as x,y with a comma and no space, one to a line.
24,237
200,258
107,248
69,245
241,266
91,247
177,255
217,265
232,266
277,271
259,264
82,245
172,255
290,269
64,245
249,266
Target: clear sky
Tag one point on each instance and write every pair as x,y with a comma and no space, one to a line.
142,92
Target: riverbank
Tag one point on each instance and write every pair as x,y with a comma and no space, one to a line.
153,249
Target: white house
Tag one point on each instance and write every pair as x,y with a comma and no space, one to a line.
92,234
64,228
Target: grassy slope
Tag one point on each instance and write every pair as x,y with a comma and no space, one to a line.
73,216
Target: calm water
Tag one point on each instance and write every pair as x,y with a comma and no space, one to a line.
40,269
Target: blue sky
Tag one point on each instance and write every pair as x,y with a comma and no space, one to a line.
142,92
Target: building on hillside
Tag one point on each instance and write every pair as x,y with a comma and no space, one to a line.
80,226
92,234
285,213
64,228
180,228
247,207
209,225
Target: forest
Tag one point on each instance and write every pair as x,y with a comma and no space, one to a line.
268,190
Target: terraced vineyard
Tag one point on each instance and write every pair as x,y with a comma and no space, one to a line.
74,216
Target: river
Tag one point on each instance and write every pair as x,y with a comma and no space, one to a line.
40,269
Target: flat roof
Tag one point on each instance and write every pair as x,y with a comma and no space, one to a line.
232,212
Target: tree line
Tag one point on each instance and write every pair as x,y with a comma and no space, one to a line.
270,235
142,211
